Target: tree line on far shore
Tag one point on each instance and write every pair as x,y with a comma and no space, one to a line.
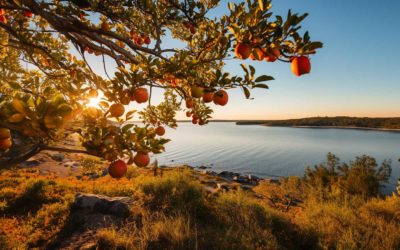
338,121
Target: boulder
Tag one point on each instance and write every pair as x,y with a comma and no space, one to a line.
58,157
118,206
227,174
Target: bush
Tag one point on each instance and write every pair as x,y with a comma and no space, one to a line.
375,225
361,177
176,191
91,166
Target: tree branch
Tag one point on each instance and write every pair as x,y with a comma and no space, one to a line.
67,150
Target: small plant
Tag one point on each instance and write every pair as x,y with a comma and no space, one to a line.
91,166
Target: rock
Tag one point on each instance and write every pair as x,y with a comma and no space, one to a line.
222,187
32,163
209,172
254,177
58,157
118,206
94,176
227,174
241,179
104,172
69,164
202,167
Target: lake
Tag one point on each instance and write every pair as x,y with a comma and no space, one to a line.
274,151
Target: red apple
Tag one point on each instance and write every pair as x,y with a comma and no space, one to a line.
117,169
301,65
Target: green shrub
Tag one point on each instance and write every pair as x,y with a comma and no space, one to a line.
176,191
91,166
361,177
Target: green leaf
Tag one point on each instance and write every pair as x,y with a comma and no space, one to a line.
64,109
19,106
232,30
260,85
127,127
244,68
313,46
261,4
129,114
288,21
299,19
14,85
306,37
218,74
264,78
230,5
246,92
47,90
252,70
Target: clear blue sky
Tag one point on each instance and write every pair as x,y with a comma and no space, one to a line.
355,74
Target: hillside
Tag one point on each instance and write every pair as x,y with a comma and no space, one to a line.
181,208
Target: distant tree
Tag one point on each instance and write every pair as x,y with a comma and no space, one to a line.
361,177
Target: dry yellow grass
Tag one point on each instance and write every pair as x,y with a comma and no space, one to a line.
173,211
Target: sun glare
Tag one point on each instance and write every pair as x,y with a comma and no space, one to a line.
94,102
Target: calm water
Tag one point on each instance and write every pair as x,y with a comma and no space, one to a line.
274,151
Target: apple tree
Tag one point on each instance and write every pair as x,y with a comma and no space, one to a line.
46,80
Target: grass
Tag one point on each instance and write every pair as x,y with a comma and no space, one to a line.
173,211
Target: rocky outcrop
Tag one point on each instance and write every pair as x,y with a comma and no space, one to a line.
118,206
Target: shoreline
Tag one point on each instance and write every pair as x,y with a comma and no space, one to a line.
393,130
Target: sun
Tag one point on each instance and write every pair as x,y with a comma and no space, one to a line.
95,102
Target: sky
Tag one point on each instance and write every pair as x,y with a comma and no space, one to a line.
355,74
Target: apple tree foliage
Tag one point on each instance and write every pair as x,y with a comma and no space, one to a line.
46,79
